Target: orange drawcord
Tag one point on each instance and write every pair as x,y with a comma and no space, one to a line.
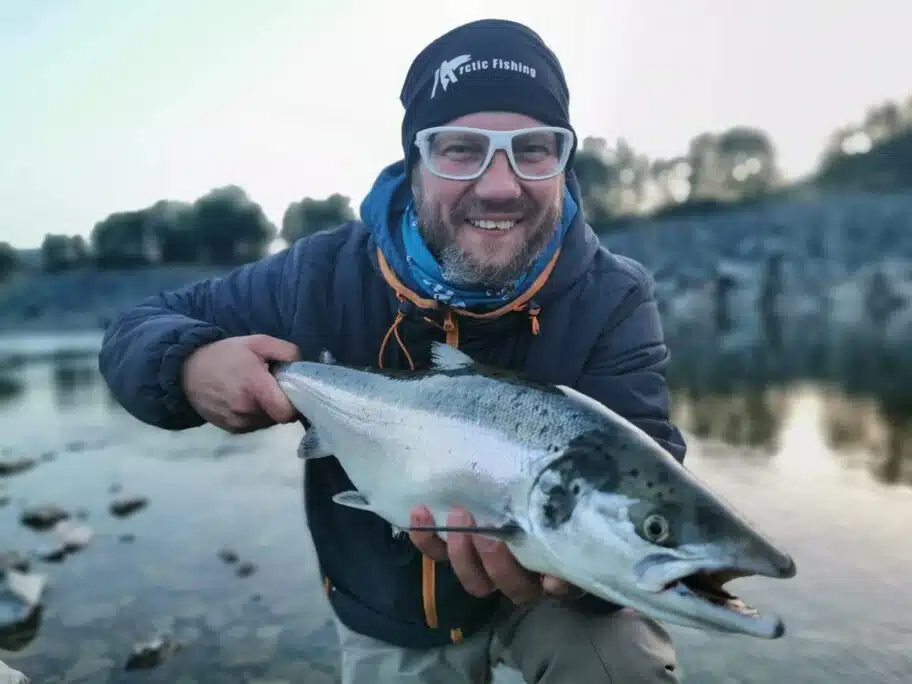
394,331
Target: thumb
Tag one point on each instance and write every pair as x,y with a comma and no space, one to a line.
273,349
271,399
558,588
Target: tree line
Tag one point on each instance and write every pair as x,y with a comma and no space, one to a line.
226,227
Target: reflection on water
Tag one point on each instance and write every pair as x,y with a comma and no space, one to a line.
822,427
742,394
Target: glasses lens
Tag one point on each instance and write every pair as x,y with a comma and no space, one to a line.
540,154
457,153
462,154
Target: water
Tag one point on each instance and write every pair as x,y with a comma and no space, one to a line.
814,456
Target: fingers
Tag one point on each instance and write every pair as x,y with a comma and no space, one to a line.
240,424
428,543
273,349
263,386
465,559
482,565
516,583
270,397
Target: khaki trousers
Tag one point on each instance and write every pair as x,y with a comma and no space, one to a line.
548,643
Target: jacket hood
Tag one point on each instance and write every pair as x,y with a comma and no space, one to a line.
382,209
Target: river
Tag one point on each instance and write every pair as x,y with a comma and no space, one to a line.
817,459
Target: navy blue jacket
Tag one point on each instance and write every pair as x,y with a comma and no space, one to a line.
591,323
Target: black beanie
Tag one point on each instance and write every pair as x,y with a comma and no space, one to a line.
486,65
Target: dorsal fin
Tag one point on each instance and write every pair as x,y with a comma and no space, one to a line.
446,357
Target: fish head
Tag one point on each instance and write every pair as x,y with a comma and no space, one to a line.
622,519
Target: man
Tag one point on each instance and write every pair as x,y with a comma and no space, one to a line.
475,238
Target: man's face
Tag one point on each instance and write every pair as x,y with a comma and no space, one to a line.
452,214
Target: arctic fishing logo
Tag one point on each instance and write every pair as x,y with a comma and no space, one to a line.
451,69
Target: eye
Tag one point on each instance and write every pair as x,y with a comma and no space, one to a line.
656,528
531,150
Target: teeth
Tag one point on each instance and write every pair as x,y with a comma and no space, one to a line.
493,225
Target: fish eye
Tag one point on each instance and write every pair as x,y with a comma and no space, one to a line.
656,528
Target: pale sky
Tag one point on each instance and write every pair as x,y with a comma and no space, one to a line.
109,105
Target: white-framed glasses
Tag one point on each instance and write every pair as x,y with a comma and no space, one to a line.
463,153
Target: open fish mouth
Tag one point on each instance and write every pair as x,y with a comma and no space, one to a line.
709,586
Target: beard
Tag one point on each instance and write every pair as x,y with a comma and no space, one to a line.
440,231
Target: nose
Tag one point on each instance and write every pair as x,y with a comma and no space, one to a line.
787,566
498,181
776,561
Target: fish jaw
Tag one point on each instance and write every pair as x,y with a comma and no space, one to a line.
693,594
681,606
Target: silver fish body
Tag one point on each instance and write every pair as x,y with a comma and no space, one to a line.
573,489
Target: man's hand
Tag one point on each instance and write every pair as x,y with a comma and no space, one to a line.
483,565
229,384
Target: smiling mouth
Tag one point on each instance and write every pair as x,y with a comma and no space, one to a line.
495,226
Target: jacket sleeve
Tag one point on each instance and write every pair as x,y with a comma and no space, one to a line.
626,372
143,350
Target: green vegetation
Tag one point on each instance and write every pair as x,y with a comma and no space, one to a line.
717,171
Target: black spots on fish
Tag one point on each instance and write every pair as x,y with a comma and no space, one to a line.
539,410
585,465
558,507
655,484
588,457
526,383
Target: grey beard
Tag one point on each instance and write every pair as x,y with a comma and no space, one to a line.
457,268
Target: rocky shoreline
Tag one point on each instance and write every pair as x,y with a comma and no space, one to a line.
85,300
796,253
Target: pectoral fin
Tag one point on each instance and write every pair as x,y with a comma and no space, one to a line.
312,446
353,499
504,532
